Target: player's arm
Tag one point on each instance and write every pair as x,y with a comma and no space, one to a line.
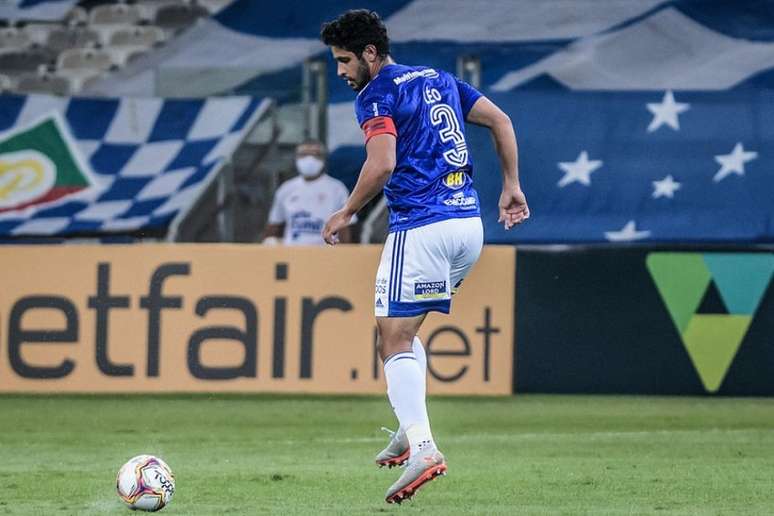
275,223
513,203
273,231
375,173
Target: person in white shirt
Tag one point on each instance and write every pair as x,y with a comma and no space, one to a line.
302,204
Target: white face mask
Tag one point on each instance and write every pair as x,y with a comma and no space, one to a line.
309,166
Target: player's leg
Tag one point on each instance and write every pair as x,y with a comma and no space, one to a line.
396,453
419,352
397,450
405,378
420,285
406,391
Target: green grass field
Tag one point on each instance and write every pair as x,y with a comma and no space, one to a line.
312,455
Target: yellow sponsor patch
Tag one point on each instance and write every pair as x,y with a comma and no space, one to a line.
454,179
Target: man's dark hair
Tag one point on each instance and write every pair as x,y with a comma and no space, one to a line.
315,141
355,29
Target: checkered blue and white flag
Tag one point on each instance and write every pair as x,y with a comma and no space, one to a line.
94,166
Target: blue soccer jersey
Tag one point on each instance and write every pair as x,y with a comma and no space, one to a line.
425,109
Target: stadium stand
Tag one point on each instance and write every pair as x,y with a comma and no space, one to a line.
584,63
88,37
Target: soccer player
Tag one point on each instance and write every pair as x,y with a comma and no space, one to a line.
412,117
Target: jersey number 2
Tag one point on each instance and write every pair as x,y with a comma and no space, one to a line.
450,131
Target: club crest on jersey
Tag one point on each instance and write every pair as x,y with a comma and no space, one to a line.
454,180
429,290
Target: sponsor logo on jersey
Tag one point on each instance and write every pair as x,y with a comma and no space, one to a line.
429,290
454,180
379,303
410,76
460,200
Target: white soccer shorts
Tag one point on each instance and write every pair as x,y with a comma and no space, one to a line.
422,267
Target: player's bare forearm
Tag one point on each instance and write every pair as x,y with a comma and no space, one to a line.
375,173
507,150
512,206
486,114
373,176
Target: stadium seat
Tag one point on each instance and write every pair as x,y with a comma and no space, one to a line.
17,62
77,16
178,16
13,38
137,36
44,82
64,38
130,42
79,77
118,14
85,58
38,33
106,31
7,83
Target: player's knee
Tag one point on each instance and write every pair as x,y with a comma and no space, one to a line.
391,342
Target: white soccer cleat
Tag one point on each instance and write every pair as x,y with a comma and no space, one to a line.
397,451
421,468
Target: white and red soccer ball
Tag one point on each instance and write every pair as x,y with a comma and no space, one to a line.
145,483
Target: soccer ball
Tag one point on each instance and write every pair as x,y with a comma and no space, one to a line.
145,483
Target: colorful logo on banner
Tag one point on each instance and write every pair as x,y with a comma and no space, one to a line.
38,165
712,299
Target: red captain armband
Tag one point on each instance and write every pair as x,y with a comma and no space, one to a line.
379,125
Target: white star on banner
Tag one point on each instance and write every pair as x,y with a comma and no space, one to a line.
666,112
627,233
578,171
666,187
733,163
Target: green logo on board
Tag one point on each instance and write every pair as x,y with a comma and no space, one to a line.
712,299
39,164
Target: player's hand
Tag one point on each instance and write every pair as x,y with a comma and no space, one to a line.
336,222
513,207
